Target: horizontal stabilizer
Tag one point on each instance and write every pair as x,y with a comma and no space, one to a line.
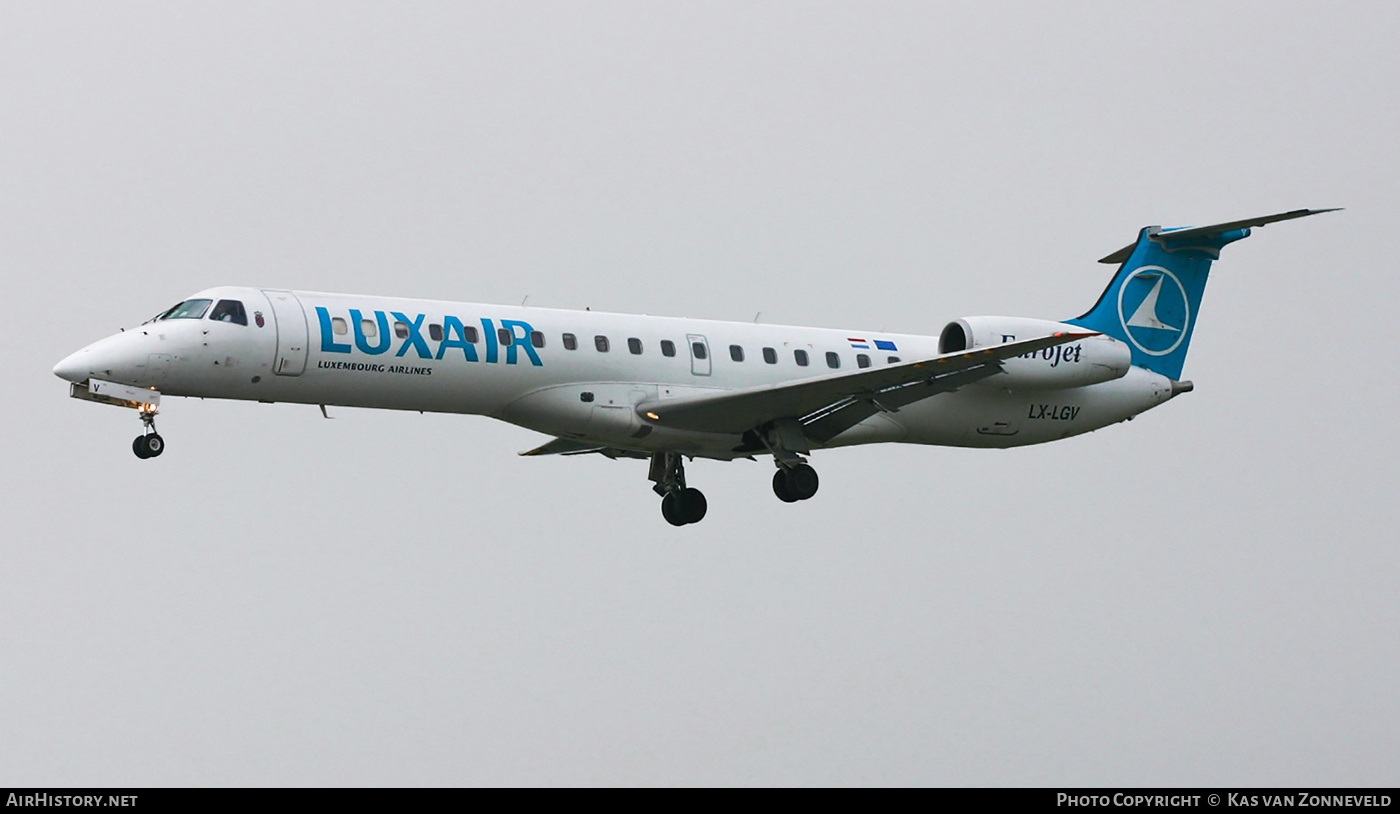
1175,235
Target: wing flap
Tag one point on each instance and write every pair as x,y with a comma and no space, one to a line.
823,398
563,446
829,422
566,446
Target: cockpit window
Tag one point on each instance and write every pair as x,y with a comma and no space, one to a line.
229,311
189,309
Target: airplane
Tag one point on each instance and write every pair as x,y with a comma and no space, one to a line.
667,389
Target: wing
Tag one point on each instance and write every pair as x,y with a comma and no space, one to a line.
829,405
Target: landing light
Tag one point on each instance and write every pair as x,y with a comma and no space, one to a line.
653,416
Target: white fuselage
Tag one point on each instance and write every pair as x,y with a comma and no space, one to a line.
428,355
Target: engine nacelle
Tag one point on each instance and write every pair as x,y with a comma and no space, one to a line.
1088,361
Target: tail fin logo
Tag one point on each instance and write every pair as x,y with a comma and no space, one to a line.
1154,310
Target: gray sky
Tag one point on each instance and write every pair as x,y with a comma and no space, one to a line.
1204,596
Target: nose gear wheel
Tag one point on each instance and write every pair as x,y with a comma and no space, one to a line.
149,444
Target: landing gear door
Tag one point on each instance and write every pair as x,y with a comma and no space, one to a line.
291,333
699,354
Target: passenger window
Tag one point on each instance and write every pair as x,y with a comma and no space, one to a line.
668,348
770,356
189,309
862,360
229,311
635,346
435,332
469,331
401,330
800,356
833,359
340,326
570,342
894,360
698,348
601,343
537,339
736,353
504,336
368,328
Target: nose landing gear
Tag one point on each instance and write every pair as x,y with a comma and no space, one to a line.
679,505
149,444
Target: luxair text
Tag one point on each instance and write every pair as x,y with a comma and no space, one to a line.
454,335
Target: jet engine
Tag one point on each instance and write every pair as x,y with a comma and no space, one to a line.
1091,360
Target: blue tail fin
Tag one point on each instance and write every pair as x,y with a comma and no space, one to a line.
1153,301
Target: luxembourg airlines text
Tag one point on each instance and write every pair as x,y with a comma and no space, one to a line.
370,367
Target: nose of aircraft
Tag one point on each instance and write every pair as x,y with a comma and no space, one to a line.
73,368
124,358
112,359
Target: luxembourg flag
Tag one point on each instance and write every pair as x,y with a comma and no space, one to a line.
858,343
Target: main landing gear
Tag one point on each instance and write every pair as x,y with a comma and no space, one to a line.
795,482
679,505
148,444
